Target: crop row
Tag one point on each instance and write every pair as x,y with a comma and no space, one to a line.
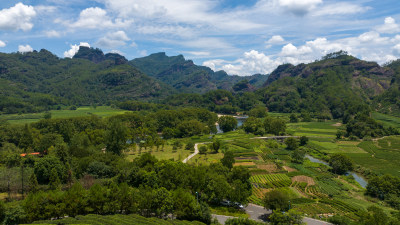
271,180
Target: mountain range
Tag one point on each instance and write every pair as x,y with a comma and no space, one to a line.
38,81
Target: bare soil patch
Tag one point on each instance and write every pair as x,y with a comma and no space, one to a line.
304,179
337,124
268,167
289,169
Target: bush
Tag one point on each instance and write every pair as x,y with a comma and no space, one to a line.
203,149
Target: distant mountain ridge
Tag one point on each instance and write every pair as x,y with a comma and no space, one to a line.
187,77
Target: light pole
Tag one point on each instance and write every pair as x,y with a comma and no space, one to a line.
289,204
197,195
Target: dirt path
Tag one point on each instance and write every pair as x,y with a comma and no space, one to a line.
196,151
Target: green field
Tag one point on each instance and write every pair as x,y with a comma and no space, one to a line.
102,111
387,120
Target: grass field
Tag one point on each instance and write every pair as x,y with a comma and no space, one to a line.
387,120
166,154
102,111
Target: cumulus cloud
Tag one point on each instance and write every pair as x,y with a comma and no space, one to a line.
97,18
252,62
299,8
276,39
2,44
25,48
113,40
74,49
390,26
18,17
340,8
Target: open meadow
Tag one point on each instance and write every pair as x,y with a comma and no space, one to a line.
102,111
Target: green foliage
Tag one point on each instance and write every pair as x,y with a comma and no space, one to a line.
340,163
228,160
276,200
203,149
291,143
303,140
116,137
44,166
293,118
241,221
258,112
227,123
189,146
54,180
274,125
215,145
33,184
2,211
291,217
298,156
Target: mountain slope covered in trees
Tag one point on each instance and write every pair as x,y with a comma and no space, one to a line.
187,77
332,87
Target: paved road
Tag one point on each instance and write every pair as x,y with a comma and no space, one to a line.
258,213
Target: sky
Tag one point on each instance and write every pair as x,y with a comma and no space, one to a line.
241,37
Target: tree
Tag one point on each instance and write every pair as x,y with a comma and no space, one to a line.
375,216
298,156
203,149
189,146
276,200
253,125
303,140
292,217
216,145
54,179
228,160
340,163
116,137
227,123
44,166
33,184
258,112
291,143
2,211
293,118
47,115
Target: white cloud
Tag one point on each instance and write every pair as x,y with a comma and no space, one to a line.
2,44
340,8
52,33
276,39
396,49
252,62
390,26
117,52
25,48
97,18
74,49
113,40
17,17
299,7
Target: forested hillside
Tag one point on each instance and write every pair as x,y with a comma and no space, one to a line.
187,77
332,87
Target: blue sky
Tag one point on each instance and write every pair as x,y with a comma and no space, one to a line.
240,37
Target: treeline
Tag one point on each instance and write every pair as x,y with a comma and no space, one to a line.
84,134
147,187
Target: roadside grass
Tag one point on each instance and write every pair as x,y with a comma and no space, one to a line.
228,211
102,111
